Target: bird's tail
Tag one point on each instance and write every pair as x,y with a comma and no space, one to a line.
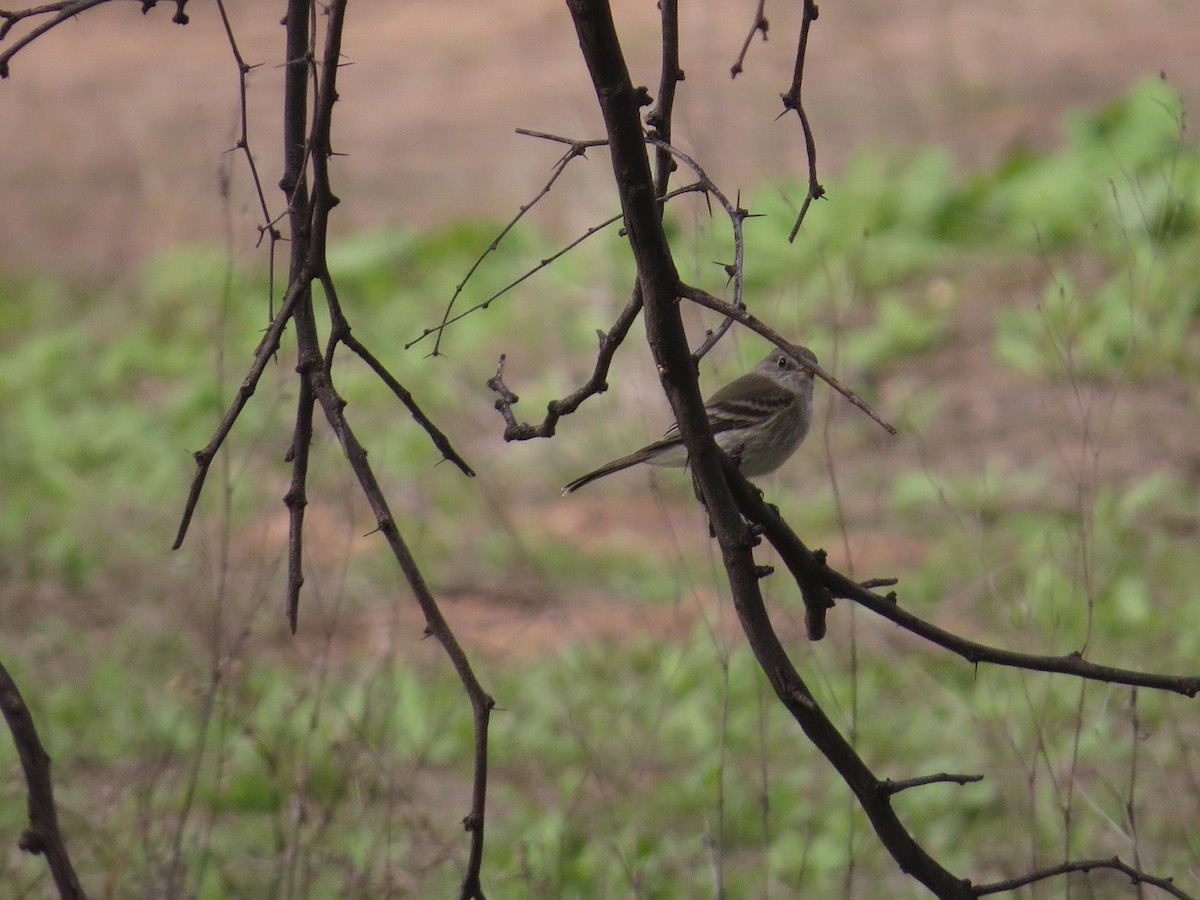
607,469
650,454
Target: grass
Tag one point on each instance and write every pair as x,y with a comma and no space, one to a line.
636,750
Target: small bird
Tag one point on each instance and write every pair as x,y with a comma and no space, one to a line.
759,419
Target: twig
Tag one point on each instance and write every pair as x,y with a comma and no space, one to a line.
596,384
448,320
67,9
542,263
405,396
973,652
702,297
792,100
759,25
268,227
577,149
1080,865
262,355
890,787
737,216
43,835
661,115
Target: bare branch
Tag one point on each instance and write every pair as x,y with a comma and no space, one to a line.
447,320
58,12
659,118
1069,664
596,384
43,835
760,25
262,355
268,227
888,786
436,624
1081,865
809,567
792,101
737,215
405,396
703,185
577,149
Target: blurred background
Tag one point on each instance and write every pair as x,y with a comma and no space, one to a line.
1006,267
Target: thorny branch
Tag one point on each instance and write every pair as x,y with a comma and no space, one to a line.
792,97
576,149
268,228
305,150
58,12
448,320
792,100
660,284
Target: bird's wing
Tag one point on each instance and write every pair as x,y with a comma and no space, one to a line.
758,398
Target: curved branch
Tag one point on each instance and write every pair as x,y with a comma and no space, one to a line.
975,653
737,215
792,100
43,835
809,567
597,383
68,9
1083,865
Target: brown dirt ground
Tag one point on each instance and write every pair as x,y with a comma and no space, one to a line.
112,126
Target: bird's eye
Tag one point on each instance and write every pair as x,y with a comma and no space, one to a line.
782,361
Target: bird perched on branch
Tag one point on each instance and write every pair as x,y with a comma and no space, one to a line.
759,419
